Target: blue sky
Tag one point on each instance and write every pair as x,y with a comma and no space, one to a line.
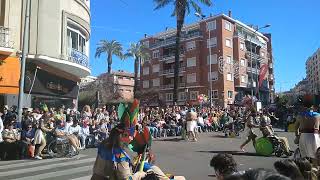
295,29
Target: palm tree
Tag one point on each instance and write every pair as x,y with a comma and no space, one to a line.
110,48
181,8
139,53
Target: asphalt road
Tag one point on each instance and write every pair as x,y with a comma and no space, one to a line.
173,155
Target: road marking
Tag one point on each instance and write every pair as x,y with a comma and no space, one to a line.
35,162
45,167
57,173
82,178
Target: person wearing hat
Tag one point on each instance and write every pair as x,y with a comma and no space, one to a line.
307,129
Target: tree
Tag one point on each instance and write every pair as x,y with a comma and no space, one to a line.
181,8
139,53
109,48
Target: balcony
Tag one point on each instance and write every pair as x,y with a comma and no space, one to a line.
79,58
6,46
254,70
170,86
171,57
172,40
271,77
171,71
253,55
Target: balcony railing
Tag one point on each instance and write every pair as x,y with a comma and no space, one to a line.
79,58
170,56
171,71
171,41
170,86
253,70
254,56
4,38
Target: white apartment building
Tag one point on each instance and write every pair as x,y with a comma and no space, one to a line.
58,49
313,71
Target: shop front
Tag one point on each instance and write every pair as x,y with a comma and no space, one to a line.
45,87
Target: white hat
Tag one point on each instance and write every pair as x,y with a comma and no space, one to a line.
6,106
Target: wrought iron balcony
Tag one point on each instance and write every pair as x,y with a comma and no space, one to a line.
170,86
253,55
171,71
172,40
254,71
79,58
5,38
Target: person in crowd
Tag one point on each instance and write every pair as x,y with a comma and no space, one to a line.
200,122
10,146
61,132
86,112
39,140
103,129
306,169
191,118
84,133
307,129
224,165
72,108
99,115
6,115
27,138
257,174
74,129
1,128
289,169
251,123
69,123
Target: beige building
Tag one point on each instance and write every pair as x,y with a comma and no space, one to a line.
58,48
313,71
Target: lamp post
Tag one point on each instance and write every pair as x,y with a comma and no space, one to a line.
23,58
210,68
254,34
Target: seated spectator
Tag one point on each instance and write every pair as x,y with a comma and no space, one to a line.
257,174
84,133
10,148
224,165
288,168
305,168
27,141
60,132
103,129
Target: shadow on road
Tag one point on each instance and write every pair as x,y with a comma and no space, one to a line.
235,153
170,140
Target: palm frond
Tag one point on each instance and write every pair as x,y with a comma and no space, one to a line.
206,2
196,7
161,3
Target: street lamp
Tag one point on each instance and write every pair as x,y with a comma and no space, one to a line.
210,68
254,33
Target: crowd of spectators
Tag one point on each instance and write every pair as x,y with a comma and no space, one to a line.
226,168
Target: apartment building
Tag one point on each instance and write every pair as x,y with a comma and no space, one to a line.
233,44
122,83
313,71
58,50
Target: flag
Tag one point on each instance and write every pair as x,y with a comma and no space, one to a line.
262,74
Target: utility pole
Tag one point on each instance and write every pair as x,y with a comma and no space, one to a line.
23,58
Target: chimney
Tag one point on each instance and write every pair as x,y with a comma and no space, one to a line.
230,13
145,35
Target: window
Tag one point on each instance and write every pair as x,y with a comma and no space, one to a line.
214,94
191,78
229,60
194,95
169,96
76,41
156,82
214,75
214,60
191,45
156,54
228,43
242,62
146,44
182,96
155,68
243,79
212,42
230,94
191,62
227,26
145,84
145,70
241,46
229,77
211,25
